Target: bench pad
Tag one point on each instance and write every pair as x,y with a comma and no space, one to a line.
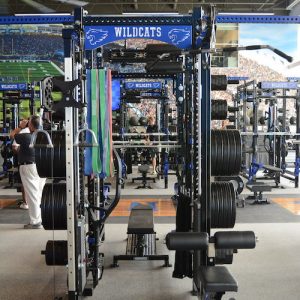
217,279
141,220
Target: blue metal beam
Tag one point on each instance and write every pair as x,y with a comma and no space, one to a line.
121,20
137,20
257,19
41,19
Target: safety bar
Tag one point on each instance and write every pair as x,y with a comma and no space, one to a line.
34,136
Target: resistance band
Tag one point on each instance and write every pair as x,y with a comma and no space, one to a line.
88,168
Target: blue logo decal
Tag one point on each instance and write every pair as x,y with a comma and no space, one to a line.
145,85
178,36
96,36
13,87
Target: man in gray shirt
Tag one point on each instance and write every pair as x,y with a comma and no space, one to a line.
33,184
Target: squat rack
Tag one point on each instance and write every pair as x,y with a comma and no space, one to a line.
194,131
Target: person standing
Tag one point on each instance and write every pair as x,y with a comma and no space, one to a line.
15,148
152,128
32,183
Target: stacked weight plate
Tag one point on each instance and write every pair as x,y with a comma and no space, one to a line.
226,154
53,207
223,206
54,217
51,162
219,109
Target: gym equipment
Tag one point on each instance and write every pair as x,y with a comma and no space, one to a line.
219,109
266,146
143,121
164,67
237,181
84,223
53,207
226,152
56,253
218,82
54,167
223,206
141,240
258,189
133,121
144,169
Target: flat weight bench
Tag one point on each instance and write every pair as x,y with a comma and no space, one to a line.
144,170
258,189
275,172
141,240
216,280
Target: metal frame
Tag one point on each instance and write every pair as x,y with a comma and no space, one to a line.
196,144
277,140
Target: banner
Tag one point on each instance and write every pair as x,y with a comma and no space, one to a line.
13,87
179,36
142,85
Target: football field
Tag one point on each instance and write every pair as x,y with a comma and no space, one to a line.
27,71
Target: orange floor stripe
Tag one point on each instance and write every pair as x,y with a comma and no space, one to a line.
291,204
7,202
164,208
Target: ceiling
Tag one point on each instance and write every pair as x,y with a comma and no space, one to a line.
103,7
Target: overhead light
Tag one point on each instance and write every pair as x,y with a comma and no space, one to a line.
151,14
56,14
247,14
292,4
74,2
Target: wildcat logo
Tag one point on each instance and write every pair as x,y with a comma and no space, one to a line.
96,36
178,36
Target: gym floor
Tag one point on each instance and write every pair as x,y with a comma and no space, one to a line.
271,271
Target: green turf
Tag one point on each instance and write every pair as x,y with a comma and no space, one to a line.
17,71
26,71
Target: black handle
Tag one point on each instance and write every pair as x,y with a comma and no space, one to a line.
254,47
258,47
283,55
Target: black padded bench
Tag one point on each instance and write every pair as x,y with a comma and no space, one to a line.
274,172
272,169
144,169
258,188
217,280
141,240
